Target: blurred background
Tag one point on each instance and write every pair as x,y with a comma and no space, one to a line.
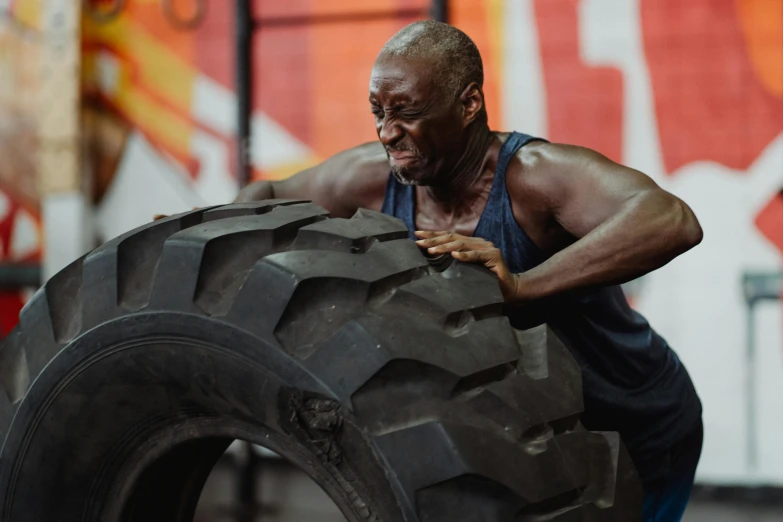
114,110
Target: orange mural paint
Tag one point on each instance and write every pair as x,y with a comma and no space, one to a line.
477,20
342,59
148,17
762,28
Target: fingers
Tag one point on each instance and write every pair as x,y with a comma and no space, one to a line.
489,256
460,245
440,238
492,258
430,239
452,246
426,234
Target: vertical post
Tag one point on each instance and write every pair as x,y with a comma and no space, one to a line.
440,10
750,387
248,485
757,287
248,479
244,87
65,207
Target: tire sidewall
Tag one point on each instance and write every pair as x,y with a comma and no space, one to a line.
209,379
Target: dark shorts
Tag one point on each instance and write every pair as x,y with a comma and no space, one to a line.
665,499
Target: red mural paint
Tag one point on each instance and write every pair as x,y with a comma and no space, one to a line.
213,43
11,301
279,75
770,221
584,104
281,71
474,18
709,102
11,304
7,222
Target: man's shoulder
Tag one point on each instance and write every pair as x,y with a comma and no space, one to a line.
543,162
543,172
359,175
367,156
529,167
540,153
365,164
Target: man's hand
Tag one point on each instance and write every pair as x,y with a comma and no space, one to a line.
472,250
156,217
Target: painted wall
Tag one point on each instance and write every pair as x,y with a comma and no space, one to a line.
20,224
689,92
692,94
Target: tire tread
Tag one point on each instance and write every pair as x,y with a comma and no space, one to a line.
424,359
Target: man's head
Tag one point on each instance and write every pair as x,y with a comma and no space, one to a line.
426,95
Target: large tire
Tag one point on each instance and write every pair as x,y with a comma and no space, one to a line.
401,390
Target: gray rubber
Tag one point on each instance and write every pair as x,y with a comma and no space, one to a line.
401,388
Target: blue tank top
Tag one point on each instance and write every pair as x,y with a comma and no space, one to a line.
633,382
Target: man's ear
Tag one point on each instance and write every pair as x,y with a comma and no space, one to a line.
472,100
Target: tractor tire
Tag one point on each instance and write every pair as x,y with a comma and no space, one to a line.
400,389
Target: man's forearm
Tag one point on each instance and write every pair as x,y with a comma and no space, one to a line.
650,231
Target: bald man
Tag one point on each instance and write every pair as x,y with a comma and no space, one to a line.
561,226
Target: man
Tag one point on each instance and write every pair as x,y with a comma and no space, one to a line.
560,225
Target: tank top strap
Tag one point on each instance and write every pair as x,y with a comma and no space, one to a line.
497,222
510,147
400,201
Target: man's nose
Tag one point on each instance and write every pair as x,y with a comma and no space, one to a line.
389,132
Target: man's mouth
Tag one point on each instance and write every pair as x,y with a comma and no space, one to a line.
402,154
402,158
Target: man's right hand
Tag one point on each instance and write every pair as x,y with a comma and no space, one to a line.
256,191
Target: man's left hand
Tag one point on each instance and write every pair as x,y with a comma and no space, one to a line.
472,250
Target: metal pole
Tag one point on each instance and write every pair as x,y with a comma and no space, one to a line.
247,483
309,20
244,86
17,276
757,287
750,387
440,10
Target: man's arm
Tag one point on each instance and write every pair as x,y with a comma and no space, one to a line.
624,224
353,179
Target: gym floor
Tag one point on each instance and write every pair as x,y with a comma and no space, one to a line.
286,494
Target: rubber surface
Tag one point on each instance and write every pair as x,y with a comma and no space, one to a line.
400,388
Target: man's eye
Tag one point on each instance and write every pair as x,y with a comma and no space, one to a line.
377,112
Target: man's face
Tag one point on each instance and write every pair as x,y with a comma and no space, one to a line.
418,124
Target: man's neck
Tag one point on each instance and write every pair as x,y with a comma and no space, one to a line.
459,189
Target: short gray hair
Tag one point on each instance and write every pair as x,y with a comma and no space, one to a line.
455,56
